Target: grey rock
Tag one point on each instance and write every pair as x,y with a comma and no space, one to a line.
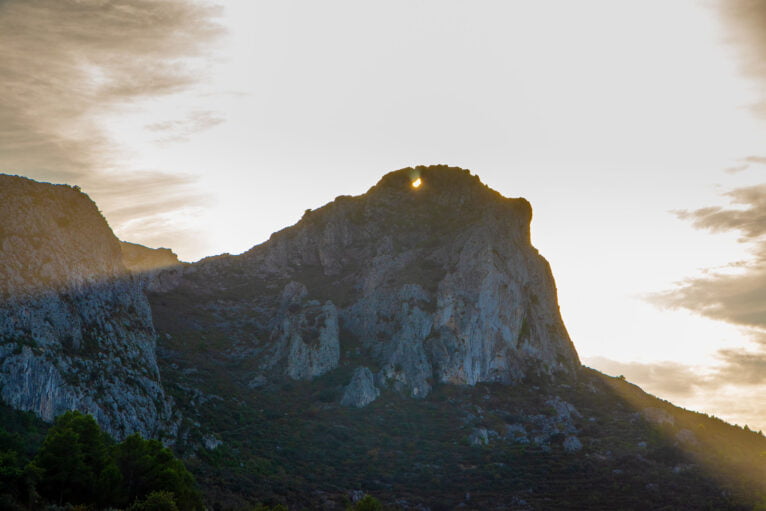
564,410
479,437
305,338
572,444
361,391
516,433
258,381
76,329
211,442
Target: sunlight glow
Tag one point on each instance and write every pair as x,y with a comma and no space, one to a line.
417,183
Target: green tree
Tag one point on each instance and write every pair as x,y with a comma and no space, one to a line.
367,503
147,466
74,463
156,501
11,476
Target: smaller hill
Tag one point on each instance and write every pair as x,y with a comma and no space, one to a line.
138,258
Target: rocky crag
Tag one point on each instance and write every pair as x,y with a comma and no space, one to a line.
140,259
76,329
413,286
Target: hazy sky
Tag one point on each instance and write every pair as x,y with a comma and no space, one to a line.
636,129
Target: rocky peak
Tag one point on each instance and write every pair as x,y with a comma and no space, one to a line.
448,201
41,223
76,329
436,283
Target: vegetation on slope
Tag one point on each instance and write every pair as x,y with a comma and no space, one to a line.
291,443
76,463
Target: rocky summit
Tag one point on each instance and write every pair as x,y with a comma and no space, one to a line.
414,286
76,330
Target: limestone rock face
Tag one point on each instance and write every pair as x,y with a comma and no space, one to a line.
362,390
310,337
432,284
76,330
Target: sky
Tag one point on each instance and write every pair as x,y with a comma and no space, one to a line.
637,130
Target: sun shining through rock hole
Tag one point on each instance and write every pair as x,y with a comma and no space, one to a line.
417,183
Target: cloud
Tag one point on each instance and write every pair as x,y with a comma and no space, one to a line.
662,378
739,299
733,389
736,368
736,294
742,367
178,130
736,168
749,220
160,193
745,23
65,65
746,163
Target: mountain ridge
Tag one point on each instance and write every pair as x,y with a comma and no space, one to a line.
405,343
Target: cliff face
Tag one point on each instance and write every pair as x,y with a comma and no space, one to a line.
76,330
417,285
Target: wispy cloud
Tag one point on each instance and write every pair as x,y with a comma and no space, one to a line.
749,217
67,64
177,130
738,368
745,164
733,389
739,296
746,24
742,367
736,294
663,378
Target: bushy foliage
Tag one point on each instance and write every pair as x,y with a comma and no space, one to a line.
147,466
366,503
156,501
74,464
78,464
264,507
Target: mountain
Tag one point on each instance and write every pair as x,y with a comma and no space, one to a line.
405,343
76,330
419,286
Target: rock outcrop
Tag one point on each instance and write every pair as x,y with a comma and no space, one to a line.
76,329
138,258
438,283
362,390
